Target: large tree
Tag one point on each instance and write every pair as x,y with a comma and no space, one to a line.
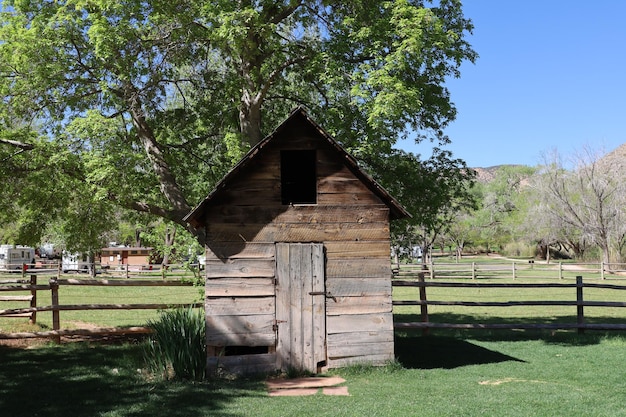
436,191
503,205
584,201
152,101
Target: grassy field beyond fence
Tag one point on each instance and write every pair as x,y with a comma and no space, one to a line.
477,273
91,296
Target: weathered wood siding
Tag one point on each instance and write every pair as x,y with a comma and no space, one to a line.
247,219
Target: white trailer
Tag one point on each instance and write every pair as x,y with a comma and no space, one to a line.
74,262
15,257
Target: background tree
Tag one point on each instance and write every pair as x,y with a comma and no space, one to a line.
502,203
461,231
434,191
589,199
547,229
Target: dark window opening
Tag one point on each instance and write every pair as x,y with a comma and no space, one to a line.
245,350
298,177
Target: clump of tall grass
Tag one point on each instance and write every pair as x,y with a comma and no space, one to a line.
367,368
177,347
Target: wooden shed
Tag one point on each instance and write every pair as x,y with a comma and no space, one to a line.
298,257
134,257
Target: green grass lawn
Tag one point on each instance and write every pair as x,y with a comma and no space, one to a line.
484,374
447,373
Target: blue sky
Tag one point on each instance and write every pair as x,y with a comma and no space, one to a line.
551,76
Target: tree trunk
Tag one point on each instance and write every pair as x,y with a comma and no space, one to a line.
250,119
137,242
91,261
170,237
396,258
167,182
606,256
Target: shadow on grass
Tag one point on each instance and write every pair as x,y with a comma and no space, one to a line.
556,336
83,380
432,352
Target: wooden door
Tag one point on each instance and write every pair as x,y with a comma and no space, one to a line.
300,306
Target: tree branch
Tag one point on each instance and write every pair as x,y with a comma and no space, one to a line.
17,144
285,12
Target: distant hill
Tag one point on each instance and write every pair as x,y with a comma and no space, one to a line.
486,175
616,159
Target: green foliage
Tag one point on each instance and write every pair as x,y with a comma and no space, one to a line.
184,248
143,103
176,349
519,249
435,191
503,206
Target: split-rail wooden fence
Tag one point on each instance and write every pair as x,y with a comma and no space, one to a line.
34,281
578,301
513,269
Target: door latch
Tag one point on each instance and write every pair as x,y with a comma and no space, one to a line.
275,324
325,294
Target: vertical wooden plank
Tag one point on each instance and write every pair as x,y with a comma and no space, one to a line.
319,305
296,323
306,277
283,339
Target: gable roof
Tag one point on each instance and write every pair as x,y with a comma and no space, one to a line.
396,209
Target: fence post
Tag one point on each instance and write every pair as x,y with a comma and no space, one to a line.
126,271
432,270
580,314
56,322
560,270
33,300
602,270
473,270
423,304
513,263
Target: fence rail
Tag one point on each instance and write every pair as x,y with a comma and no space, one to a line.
580,303
512,269
32,285
97,269
29,282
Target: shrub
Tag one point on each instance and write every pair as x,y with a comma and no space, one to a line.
519,249
177,347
